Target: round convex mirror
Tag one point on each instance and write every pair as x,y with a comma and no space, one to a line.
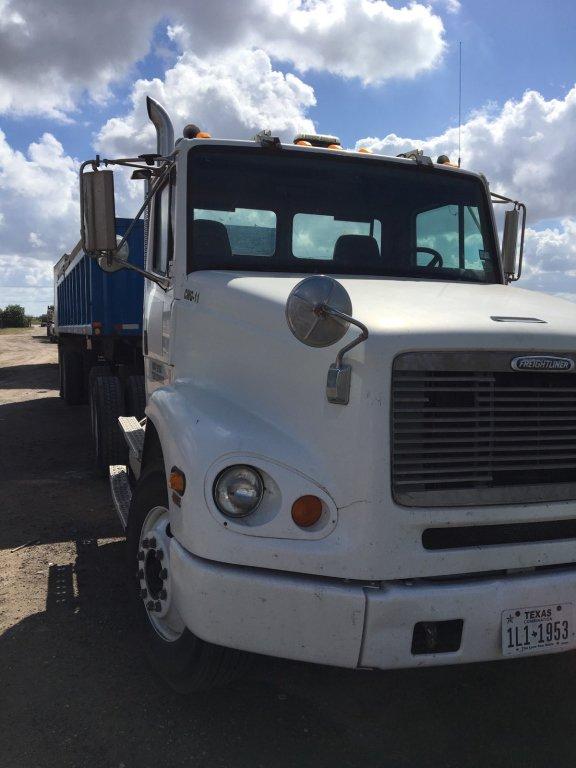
109,265
308,325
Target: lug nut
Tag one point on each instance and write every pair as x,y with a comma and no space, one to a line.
163,594
157,606
163,574
143,594
141,555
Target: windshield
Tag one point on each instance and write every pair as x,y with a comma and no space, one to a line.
252,209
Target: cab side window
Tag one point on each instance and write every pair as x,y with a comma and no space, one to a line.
163,235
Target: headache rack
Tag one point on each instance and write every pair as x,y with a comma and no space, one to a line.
467,429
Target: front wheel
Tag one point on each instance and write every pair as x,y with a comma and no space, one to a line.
185,662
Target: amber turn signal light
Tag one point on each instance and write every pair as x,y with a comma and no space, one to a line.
306,511
177,480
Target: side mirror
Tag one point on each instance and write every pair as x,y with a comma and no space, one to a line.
308,323
97,196
510,243
319,313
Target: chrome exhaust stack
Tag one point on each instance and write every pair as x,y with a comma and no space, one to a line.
163,125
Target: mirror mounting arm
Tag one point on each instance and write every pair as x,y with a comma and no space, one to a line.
147,200
163,282
163,174
340,373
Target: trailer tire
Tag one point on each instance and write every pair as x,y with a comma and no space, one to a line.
186,663
106,405
72,376
99,369
135,396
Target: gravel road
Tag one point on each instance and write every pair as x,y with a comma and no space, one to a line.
76,690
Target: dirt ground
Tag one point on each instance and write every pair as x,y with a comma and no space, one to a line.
76,690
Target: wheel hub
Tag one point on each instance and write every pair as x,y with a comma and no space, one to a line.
152,570
154,575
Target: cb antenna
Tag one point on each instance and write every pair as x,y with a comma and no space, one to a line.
459,100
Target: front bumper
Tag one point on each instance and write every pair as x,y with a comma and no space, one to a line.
327,621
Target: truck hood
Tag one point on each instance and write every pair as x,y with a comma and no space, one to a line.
248,386
457,314
407,307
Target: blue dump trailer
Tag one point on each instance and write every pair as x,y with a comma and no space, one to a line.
98,327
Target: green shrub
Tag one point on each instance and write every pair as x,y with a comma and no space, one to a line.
14,316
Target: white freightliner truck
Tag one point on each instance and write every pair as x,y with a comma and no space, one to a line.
359,446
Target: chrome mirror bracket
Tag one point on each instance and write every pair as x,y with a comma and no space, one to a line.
339,377
338,384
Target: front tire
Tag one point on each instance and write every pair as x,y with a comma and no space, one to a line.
185,662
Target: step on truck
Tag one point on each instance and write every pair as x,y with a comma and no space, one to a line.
97,323
359,444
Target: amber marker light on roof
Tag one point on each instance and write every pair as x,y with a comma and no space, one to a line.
306,511
303,143
203,135
365,150
177,481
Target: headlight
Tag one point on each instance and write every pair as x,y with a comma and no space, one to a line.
238,491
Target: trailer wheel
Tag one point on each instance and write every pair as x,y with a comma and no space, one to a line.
135,396
106,405
72,376
185,662
98,369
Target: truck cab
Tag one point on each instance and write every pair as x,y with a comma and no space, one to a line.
359,442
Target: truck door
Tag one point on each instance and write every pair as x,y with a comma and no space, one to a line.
157,301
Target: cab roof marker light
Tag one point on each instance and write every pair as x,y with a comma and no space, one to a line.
445,160
318,140
192,131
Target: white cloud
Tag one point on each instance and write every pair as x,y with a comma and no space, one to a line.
452,6
368,39
39,211
35,240
232,96
550,259
527,150
50,57
50,54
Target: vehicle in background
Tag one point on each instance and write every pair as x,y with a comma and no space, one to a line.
98,327
359,441
48,323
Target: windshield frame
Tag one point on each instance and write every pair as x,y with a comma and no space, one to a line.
297,265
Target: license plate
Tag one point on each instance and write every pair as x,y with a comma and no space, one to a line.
544,627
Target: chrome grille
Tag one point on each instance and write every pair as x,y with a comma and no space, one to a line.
469,430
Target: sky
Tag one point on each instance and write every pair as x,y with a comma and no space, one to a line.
74,75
